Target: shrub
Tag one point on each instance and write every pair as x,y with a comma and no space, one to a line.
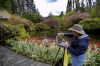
93,12
34,17
52,21
28,25
42,26
91,26
22,32
7,31
64,25
69,13
18,20
91,23
30,29
42,29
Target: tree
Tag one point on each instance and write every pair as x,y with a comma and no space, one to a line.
73,4
30,5
34,17
82,8
69,6
6,5
77,5
50,14
61,14
82,4
98,8
24,6
90,4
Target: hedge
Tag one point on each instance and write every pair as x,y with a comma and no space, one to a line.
91,23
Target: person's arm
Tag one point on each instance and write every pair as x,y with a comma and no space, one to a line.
80,49
68,34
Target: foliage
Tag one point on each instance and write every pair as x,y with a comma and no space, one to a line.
30,29
93,12
35,52
42,28
69,14
47,54
74,19
22,32
64,21
91,23
61,14
7,31
18,20
92,57
53,22
6,5
98,8
34,17
28,25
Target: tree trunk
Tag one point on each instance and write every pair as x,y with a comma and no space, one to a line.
69,6
98,8
77,5
24,5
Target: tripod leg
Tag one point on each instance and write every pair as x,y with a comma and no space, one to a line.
56,56
65,58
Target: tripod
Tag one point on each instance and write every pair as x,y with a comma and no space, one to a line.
65,57
56,55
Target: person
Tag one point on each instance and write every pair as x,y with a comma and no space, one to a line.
78,45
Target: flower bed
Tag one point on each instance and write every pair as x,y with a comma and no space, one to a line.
43,54
92,56
47,54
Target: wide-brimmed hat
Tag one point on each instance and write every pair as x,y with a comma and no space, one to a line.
77,28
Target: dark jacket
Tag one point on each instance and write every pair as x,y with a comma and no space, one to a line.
79,46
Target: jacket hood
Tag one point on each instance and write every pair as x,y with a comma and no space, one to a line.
85,36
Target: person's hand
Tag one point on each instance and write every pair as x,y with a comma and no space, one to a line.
66,44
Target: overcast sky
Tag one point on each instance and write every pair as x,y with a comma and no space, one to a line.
54,6
47,6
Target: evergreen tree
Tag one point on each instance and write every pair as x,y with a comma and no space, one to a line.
73,4
6,5
77,5
24,6
90,4
98,8
61,14
69,6
82,8
50,14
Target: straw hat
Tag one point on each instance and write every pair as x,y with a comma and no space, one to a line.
77,28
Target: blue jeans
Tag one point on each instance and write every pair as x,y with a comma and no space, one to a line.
78,60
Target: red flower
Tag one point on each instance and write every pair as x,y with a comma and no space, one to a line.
98,44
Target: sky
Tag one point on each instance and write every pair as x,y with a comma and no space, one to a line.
53,6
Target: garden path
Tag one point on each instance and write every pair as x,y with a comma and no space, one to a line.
9,58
